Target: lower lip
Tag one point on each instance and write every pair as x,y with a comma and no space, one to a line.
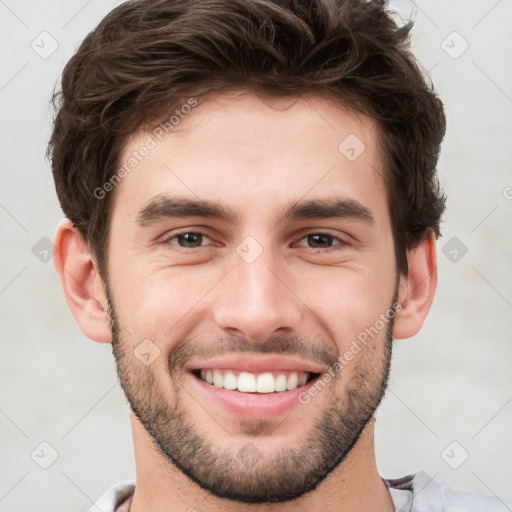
252,405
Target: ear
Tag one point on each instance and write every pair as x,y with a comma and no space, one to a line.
83,287
416,290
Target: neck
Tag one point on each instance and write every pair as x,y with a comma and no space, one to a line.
355,485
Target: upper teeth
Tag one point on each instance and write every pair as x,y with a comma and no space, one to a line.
250,382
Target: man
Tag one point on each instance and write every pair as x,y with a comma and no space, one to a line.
251,211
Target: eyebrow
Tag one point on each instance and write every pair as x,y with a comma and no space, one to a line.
162,206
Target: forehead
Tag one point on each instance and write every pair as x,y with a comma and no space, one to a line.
254,155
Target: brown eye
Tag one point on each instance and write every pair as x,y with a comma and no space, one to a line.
321,241
189,239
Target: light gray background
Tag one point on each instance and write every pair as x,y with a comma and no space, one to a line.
452,382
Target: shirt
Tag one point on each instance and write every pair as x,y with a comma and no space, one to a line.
412,493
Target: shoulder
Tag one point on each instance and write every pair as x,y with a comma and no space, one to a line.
458,500
114,496
423,493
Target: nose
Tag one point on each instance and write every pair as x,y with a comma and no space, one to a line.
257,302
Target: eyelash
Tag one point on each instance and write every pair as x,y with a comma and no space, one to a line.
341,243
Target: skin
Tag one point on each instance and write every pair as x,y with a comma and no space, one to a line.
254,157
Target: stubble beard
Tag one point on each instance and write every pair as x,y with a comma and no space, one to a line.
247,474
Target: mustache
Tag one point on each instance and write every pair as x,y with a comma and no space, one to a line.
290,346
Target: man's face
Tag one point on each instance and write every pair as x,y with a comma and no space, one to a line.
269,297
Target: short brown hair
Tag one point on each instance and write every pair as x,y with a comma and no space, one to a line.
147,55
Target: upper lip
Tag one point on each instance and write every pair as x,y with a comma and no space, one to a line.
254,364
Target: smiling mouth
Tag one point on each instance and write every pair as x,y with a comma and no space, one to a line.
256,383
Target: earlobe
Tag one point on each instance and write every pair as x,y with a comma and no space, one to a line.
81,282
416,291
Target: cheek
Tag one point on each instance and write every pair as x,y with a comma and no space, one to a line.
346,301
162,304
